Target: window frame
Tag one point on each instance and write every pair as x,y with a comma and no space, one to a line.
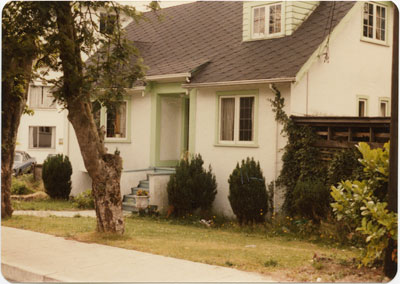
53,105
387,101
103,122
53,138
374,25
267,34
236,95
365,99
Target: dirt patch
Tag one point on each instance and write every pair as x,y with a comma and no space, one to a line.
39,195
325,269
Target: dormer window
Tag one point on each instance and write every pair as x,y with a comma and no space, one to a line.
267,21
374,22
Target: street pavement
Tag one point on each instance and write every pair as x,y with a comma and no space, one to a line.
28,256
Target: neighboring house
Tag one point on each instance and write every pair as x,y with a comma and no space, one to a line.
46,130
208,86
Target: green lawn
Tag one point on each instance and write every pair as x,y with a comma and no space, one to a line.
47,204
283,257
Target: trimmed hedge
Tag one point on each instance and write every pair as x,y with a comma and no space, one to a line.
56,175
247,192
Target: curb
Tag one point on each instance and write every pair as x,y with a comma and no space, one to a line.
17,274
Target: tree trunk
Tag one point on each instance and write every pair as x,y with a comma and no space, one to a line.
104,169
15,84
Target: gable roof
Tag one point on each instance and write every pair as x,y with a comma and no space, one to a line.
206,37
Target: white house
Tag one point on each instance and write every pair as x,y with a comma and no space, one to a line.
211,69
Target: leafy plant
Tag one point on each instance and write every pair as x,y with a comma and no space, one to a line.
56,175
360,204
191,187
19,187
247,192
300,156
84,200
311,199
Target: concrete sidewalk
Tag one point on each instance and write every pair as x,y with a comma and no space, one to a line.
28,256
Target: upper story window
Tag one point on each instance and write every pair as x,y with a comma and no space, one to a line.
267,21
40,97
107,23
374,22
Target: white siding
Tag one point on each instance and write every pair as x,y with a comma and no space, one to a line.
355,68
223,159
296,12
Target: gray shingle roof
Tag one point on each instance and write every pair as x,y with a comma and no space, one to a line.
193,34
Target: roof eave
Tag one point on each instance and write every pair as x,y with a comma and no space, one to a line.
177,77
240,82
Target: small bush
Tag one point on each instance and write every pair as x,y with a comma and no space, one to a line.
84,200
311,199
247,192
56,175
19,187
191,187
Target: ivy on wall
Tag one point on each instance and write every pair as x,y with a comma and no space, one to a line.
301,161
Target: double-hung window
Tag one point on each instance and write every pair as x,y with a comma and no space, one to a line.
267,21
237,119
374,22
40,97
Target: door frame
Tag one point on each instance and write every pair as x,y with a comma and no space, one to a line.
184,128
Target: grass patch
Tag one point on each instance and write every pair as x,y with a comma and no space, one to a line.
48,204
29,181
279,256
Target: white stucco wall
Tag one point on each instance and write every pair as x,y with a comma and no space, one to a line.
355,67
135,154
223,159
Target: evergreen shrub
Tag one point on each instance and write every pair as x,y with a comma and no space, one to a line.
311,199
56,175
247,192
191,187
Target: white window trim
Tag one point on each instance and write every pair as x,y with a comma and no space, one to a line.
387,101
267,34
236,141
366,107
29,100
103,121
53,138
374,40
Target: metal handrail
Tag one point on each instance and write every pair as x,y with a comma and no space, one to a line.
155,169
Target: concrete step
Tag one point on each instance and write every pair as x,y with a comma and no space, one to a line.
144,184
127,206
129,198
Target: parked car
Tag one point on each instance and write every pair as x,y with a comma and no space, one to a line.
23,163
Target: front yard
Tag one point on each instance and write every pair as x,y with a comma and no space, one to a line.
283,257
